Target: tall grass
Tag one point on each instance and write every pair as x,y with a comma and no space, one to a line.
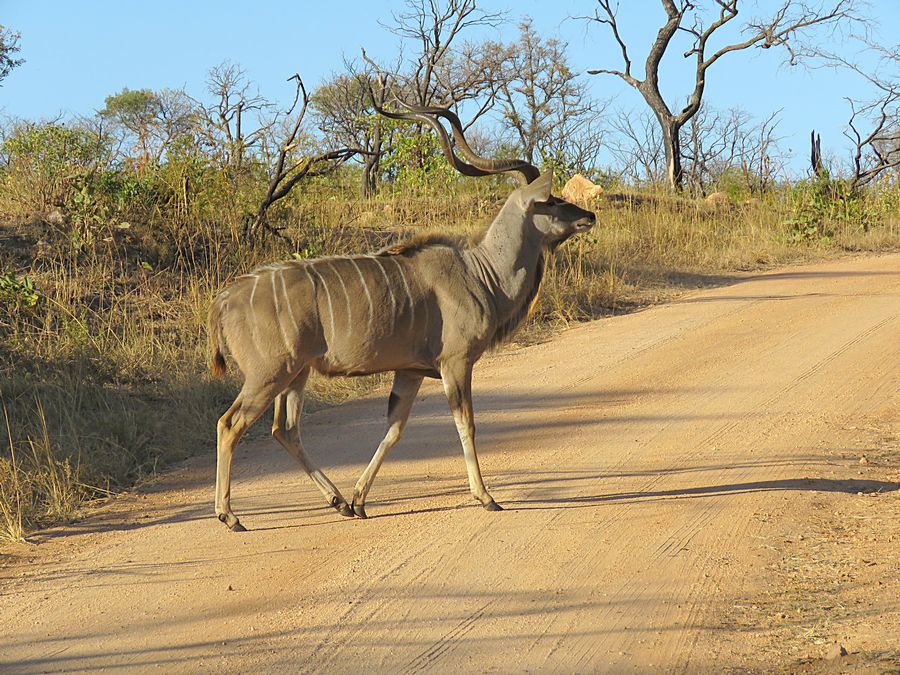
103,364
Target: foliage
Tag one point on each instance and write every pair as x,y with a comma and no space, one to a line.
342,106
134,110
151,122
819,202
46,161
545,105
417,162
18,294
9,46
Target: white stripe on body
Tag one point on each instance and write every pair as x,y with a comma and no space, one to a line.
346,296
366,289
387,282
253,290
284,335
287,301
412,304
306,268
253,328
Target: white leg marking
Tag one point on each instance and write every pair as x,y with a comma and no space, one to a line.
347,297
284,335
365,286
412,305
327,298
387,282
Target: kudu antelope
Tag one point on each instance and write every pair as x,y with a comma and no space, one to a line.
423,309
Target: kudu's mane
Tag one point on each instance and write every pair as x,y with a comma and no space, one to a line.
424,241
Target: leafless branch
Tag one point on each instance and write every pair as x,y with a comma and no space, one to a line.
290,167
786,28
875,151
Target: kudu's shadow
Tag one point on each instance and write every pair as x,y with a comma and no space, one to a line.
846,486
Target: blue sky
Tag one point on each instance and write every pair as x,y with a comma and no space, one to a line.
77,53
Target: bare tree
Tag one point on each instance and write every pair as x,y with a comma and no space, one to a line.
291,164
762,158
792,22
874,124
548,109
878,150
710,145
717,142
440,70
229,132
9,47
637,147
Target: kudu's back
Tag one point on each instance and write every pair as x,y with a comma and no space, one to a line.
345,315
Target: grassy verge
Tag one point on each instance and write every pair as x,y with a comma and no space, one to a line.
103,351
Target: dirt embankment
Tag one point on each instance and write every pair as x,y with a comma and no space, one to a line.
707,485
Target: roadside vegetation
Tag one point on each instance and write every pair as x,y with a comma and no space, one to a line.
116,231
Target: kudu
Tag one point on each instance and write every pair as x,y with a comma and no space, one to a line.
423,309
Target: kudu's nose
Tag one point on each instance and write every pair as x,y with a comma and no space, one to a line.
587,222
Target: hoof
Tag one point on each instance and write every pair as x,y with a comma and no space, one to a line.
234,527
492,506
344,509
360,511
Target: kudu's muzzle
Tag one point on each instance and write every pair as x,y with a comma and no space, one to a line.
585,223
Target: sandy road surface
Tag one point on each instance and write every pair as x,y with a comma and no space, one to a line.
634,457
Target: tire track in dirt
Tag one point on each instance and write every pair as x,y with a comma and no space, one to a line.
430,656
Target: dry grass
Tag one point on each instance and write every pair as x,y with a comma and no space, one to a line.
104,381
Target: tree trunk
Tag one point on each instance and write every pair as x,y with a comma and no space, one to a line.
369,184
372,166
671,138
672,144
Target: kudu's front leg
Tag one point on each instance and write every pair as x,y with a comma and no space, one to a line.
457,378
403,394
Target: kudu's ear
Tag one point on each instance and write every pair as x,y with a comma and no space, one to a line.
539,190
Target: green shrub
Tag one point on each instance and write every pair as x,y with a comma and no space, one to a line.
46,162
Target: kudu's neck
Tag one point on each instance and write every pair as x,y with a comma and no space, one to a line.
508,257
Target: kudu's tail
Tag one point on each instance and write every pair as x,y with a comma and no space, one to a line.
217,361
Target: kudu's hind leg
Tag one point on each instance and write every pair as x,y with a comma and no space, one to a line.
403,394
246,409
286,430
457,379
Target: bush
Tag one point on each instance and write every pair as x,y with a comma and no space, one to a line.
18,295
45,164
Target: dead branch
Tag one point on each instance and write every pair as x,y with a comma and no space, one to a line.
290,168
784,28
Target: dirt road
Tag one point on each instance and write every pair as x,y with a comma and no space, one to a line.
649,465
